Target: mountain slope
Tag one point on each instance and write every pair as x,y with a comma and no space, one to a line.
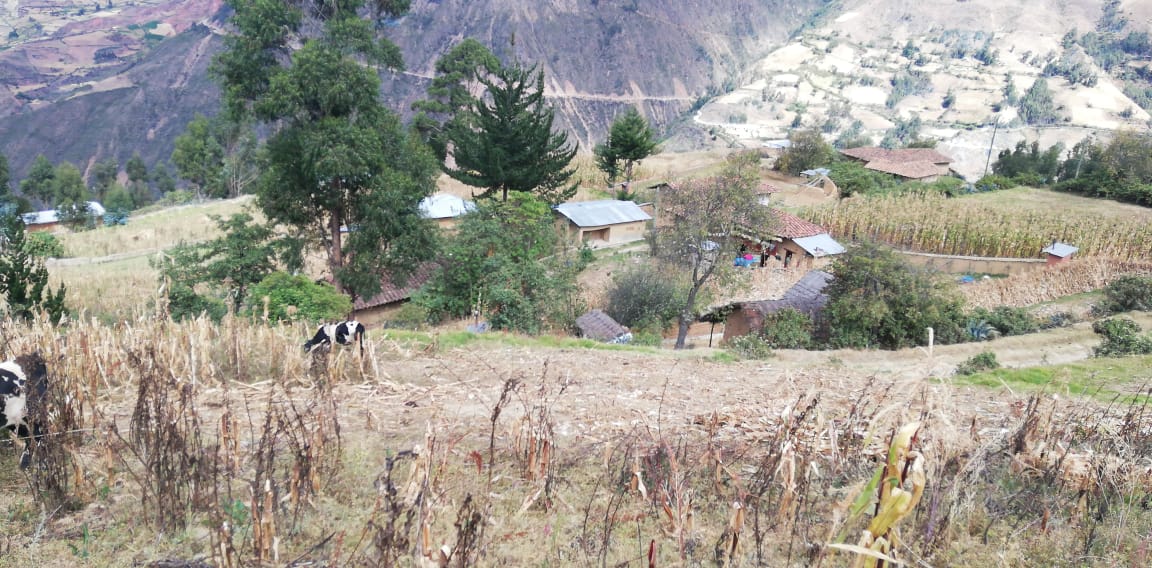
598,56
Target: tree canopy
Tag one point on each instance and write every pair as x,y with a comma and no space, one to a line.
807,150
630,140
705,220
508,143
339,166
23,278
458,73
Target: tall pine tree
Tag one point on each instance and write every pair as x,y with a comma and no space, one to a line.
630,140
23,278
509,144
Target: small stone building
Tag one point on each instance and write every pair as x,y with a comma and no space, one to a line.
604,222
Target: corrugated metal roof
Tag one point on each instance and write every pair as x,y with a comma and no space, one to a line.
444,206
51,215
1061,250
602,212
819,245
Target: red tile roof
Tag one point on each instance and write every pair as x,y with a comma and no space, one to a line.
390,293
793,227
910,170
869,154
767,188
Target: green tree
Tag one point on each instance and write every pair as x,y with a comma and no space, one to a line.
507,262
23,278
338,159
1036,106
644,298
1011,97
852,137
878,300
71,195
163,180
229,266
905,134
103,175
118,200
457,73
40,181
297,297
508,144
136,169
807,150
705,220
198,156
5,178
630,140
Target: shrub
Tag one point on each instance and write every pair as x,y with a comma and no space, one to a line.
184,303
985,361
1008,320
1121,337
297,298
787,329
1125,294
641,297
409,316
43,245
751,346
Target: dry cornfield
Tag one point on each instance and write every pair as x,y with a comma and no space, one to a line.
227,445
961,226
1051,282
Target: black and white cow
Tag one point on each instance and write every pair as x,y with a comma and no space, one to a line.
344,333
23,385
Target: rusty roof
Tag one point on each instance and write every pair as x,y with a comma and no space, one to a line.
390,293
793,227
870,153
910,170
806,296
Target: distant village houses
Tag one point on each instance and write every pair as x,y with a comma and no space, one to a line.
49,219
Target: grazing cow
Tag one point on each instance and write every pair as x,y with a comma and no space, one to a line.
344,333
23,385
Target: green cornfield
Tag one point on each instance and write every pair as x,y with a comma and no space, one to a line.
958,226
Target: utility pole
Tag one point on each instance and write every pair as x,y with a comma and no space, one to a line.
990,145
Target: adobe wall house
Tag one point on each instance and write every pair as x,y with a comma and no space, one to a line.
49,219
377,308
604,222
796,242
806,296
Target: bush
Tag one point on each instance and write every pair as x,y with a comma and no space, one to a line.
184,303
1125,294
787,329
1008,320
993,182
643,298
1122,338
751,346
409,316
297,298
43,245
985,361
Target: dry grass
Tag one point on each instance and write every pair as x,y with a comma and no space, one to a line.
424,455
152,232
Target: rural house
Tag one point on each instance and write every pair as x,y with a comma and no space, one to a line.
1058,252
49,219
446,209
910,164
378,307
604,222
765,192
806,296
795,241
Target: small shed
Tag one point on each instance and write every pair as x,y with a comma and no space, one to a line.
598,325
805,296
445,208
49,219
765,192
1058,252
604,222
378,307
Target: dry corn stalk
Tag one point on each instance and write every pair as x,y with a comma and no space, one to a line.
899,486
